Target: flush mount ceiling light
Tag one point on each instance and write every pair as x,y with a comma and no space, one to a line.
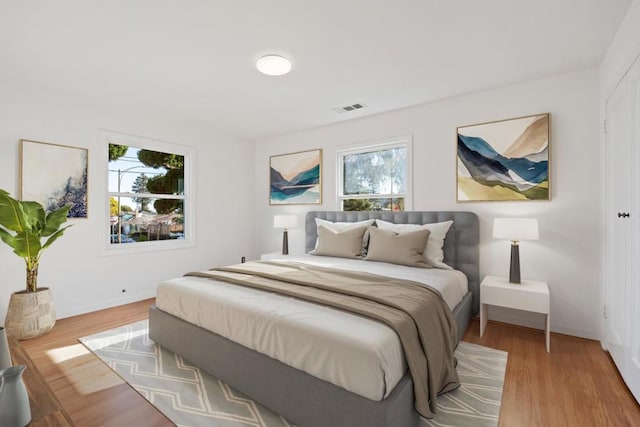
273,65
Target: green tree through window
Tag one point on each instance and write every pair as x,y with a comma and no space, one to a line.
374,177
140,186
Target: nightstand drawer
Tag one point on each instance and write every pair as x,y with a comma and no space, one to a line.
530,295
515,298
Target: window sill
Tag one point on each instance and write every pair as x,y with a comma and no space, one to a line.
142,247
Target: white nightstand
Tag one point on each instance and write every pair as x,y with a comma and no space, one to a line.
530,295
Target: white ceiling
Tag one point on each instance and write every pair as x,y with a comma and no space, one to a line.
194,60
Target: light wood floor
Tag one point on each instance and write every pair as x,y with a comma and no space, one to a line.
575,385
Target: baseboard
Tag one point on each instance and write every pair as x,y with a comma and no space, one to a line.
536,321
61,313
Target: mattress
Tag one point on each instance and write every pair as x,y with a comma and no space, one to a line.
356,353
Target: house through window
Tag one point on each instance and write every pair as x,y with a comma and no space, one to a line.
146,191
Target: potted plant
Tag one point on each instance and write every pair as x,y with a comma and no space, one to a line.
28,230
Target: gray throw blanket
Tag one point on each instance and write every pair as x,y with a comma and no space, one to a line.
417,313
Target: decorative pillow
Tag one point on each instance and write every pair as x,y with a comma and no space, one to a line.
340,226
433,252
398,248
345,244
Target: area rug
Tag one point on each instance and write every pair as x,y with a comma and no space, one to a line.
191,397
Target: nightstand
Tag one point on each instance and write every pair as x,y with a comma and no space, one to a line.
530,295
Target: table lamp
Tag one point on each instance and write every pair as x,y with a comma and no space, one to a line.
515,229
285,222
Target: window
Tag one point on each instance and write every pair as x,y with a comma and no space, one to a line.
147,193
375,177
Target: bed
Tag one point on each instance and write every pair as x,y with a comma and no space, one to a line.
300,394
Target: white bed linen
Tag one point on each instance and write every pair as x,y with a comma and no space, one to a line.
359,354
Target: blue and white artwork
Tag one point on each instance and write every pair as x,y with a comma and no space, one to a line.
54,175
296,178
506,160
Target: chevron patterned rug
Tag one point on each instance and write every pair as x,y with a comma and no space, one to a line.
190,397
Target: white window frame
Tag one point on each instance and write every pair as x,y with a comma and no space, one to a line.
108,137
405,141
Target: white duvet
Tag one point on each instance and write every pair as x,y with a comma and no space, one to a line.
359,354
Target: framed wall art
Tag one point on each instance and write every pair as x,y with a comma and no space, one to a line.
506,160
54,175
296,178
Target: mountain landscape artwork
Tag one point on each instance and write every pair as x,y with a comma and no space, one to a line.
506,160
296,178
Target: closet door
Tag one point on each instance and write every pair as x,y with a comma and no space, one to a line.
622,287
632,376
619,187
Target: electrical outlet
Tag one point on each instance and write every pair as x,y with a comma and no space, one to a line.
243,260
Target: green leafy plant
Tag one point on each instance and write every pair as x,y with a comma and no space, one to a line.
24,225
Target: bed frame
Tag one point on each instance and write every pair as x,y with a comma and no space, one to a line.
300,397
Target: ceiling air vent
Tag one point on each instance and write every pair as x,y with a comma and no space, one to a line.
348,108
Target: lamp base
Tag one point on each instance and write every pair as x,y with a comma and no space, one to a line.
285,243
514,271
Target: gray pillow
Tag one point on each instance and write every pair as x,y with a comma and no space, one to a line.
341,226
433,253
398,248
344,243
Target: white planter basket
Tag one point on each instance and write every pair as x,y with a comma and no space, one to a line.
30,314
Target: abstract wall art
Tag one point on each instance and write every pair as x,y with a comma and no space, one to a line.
54,175
296,178
505,160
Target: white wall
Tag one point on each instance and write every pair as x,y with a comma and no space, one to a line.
624,49
567,254
81,277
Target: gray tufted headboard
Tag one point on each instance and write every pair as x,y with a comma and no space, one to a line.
460,245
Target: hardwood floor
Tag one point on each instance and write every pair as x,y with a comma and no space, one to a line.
46,409
92,394
576,385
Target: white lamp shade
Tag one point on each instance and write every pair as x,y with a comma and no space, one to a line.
285,221
515,229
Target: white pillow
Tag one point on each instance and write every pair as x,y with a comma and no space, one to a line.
341,226
433,252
